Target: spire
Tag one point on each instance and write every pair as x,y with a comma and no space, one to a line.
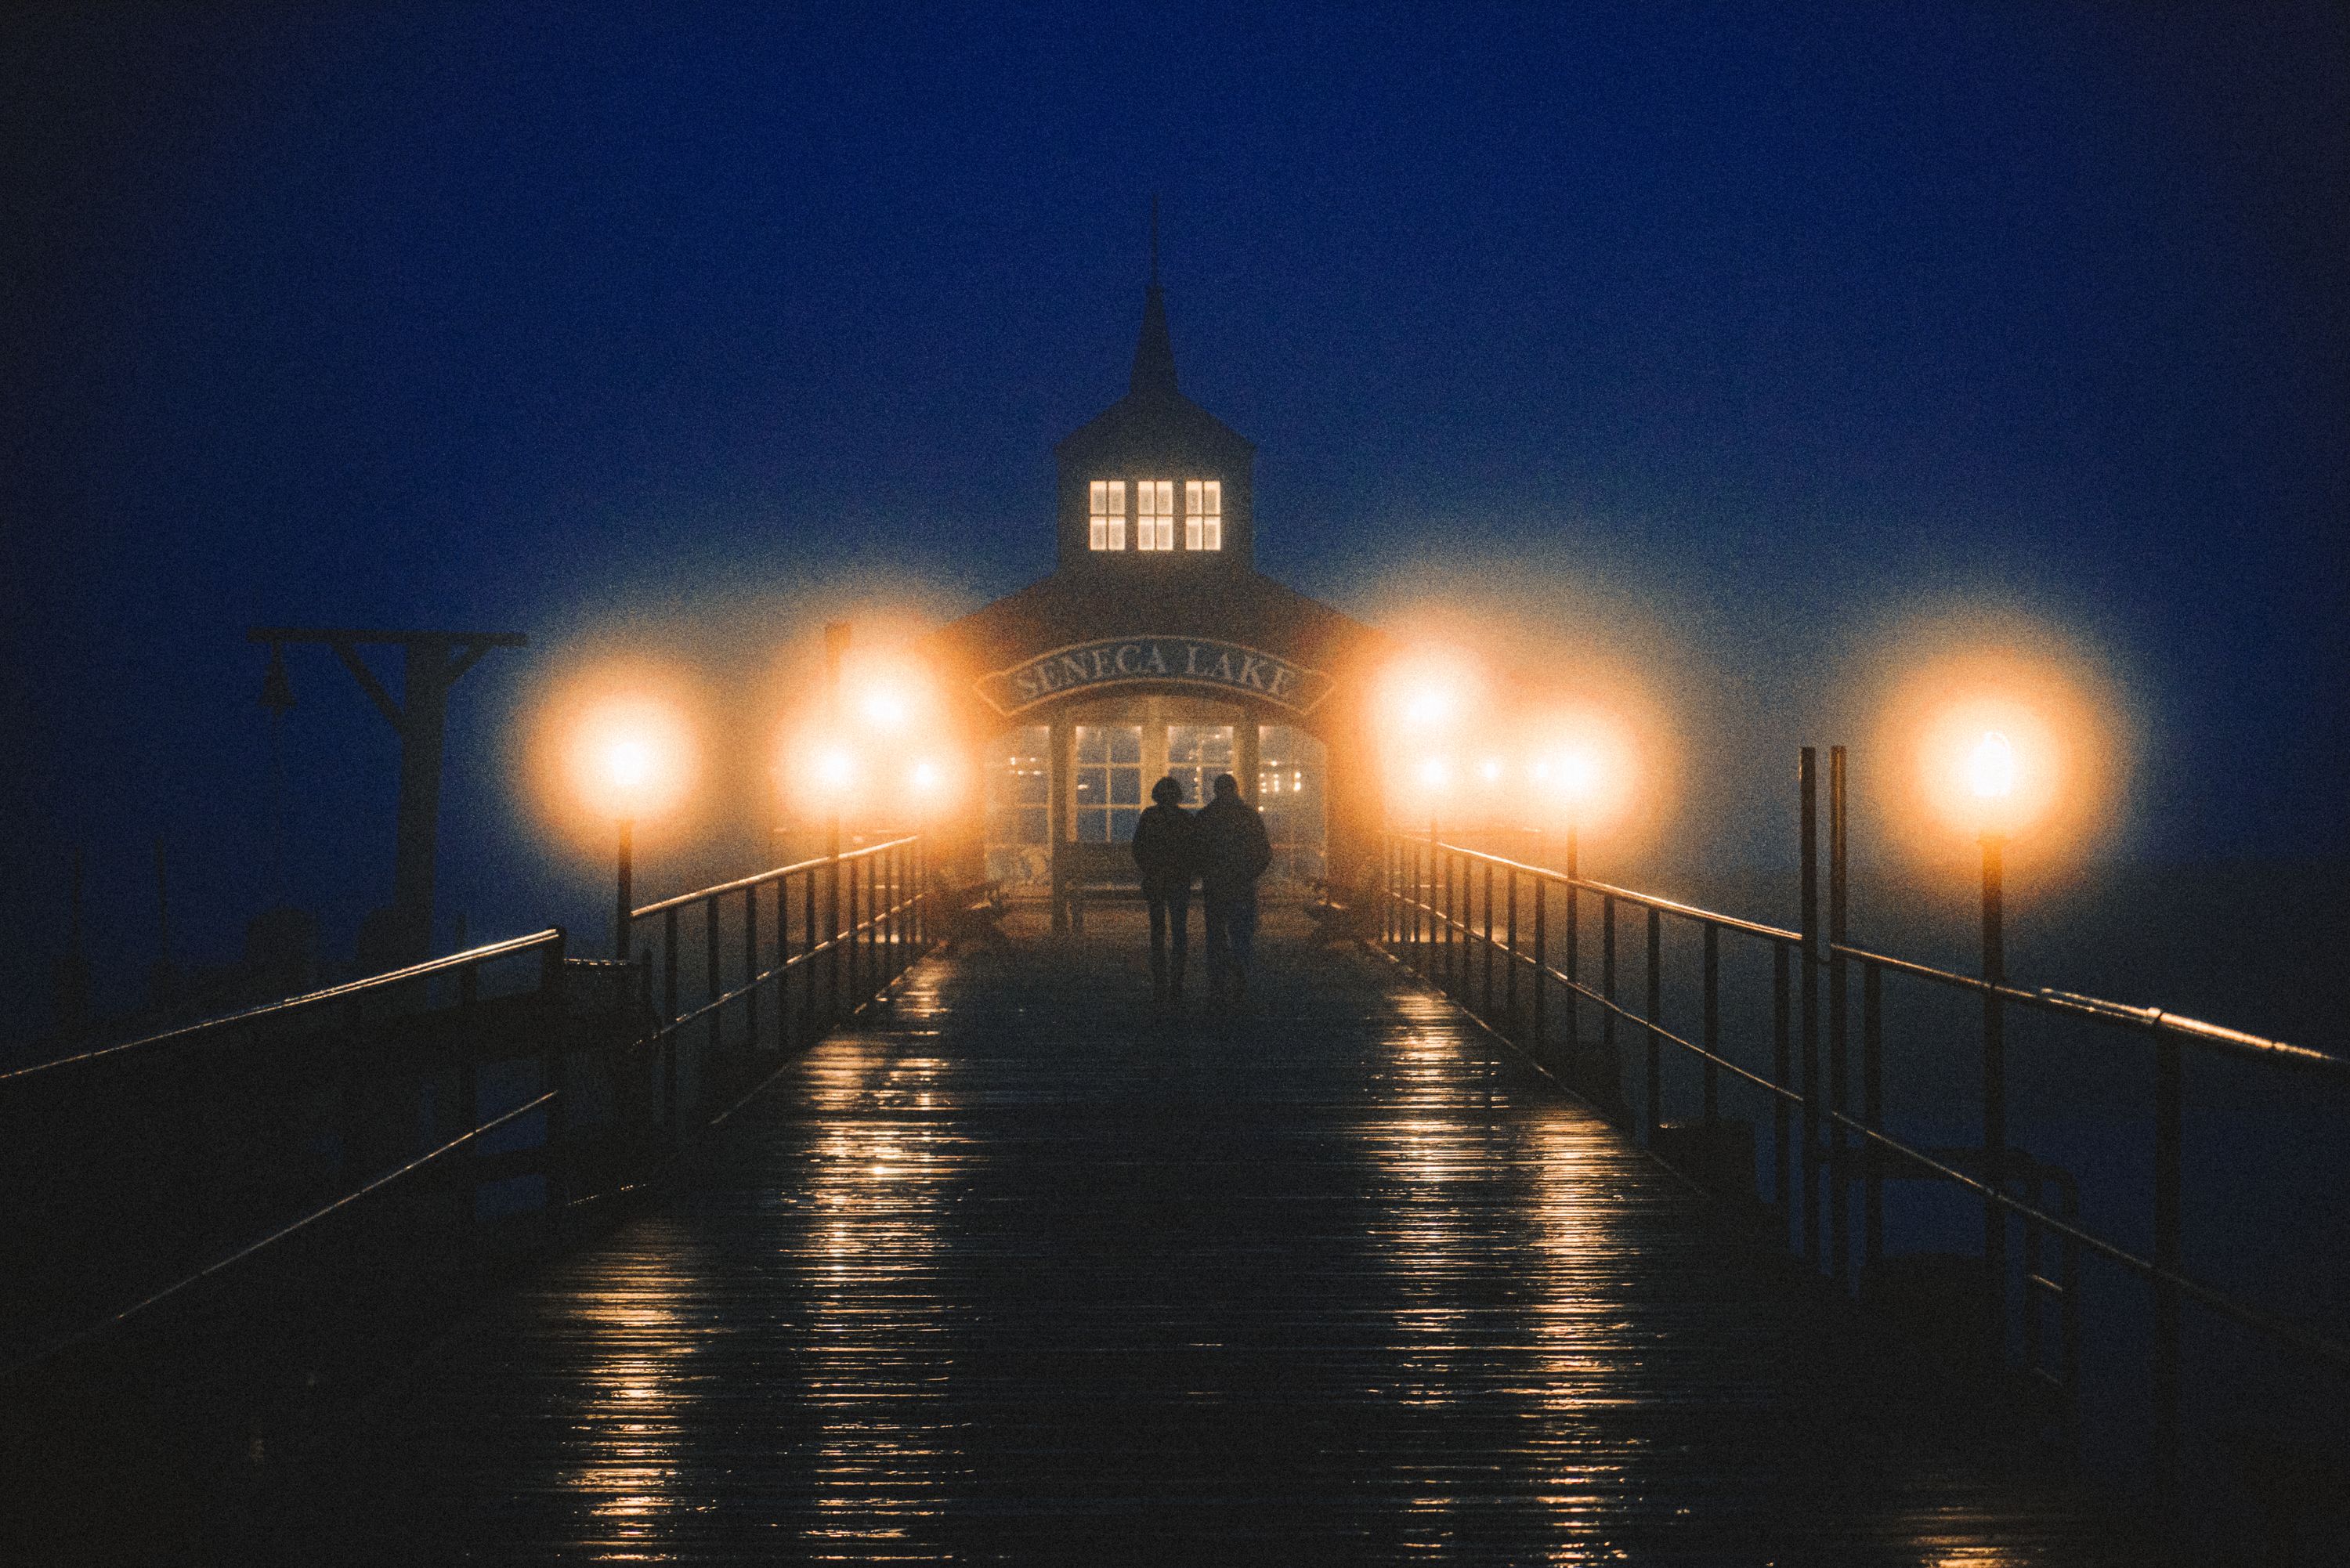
1154,351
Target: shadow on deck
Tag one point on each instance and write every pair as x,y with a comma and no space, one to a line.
1021,1272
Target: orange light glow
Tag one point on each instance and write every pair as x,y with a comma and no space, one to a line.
1431,690
1490,769
2018,738
1588,765
1990,767
630,756
834,768
1435,774
926,777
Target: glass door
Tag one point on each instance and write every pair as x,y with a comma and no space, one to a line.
1196,753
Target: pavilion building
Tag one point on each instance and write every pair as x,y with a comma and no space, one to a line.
1154,649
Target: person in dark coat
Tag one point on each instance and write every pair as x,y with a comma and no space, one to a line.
1163,848
1232,852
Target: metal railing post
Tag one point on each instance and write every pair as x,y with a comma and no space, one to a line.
670,1126
1872,1109
1488,1008
750,970
1607,990
1839,1073
1782,1189
1995,1102
711,984
1542,966
1574,955
783,950
1655,1001
1807,780
1510,990
811,955
2170,1107
558,1110
1713,1023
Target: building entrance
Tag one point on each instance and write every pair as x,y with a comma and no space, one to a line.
1092,796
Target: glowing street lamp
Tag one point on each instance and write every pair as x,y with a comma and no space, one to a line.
1576,777
630,762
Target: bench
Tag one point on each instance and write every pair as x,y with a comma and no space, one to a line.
972,914
1093,871
1338,920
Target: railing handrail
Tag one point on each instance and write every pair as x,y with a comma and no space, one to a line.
761,878
1624,895
292,1004
2154,1020
251,1248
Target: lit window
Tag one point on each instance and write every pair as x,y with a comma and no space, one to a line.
1196,753
1108,781
1107,507
1154,513
1204,515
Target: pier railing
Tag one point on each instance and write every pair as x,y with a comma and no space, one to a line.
1512,942
399,1129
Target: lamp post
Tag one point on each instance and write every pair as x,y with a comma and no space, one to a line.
1991,775
629,766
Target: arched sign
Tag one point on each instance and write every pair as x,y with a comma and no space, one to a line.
1224,667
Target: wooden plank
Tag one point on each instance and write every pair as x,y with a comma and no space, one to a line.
1020,1272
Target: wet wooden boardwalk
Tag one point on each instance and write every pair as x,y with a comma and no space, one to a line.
1021,1274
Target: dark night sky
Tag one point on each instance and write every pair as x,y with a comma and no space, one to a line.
1756,333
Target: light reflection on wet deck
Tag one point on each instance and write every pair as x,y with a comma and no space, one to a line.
1022,1274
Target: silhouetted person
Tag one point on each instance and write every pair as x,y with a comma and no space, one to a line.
1232,852
1164,849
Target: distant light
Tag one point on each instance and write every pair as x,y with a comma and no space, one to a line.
1990,767
1434,774
926,776
1428,706
1542,771
1578,773
1492,770
836,769
884,707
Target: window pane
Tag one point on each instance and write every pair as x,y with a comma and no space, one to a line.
1034,825
1125,786
1125,743
1093,827
1093,786
1122,826
1093,746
